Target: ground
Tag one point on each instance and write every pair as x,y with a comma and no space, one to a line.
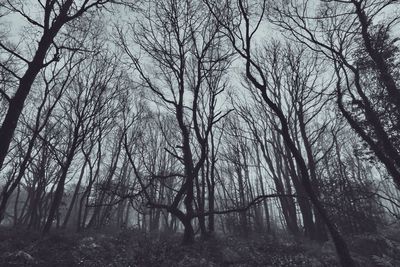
20,247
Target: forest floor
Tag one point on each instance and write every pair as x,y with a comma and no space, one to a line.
134,248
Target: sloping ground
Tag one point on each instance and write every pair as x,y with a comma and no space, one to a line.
133,248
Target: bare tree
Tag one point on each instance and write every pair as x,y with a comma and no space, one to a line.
53,17
185,46
88,103
360,43
55,81
241,32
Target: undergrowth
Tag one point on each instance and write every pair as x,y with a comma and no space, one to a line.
19,247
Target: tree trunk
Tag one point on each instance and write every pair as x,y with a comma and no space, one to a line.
74,197
58,194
